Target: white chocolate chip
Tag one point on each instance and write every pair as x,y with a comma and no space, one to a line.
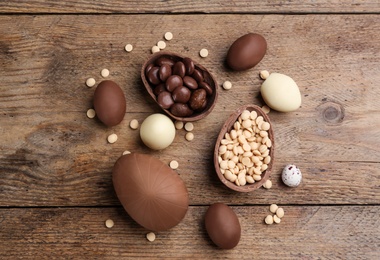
90,82
280,212
269,220
151,236
128,47
227,85
91,113
178,125
174,164
189,136
155,49
276,219
161,45
189,126
264,74
266,109
203,53
273,208
168,36
267,184
112,138
109,223
105,73
126,152
134,124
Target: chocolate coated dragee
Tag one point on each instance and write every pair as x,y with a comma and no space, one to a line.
172,82
179,109
206,87
165,99
148,68
153,76
165,72
198,97
178,85
198,76
159,88
164,61
179,69
181,94
189,66
190,82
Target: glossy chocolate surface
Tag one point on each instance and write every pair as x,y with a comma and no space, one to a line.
150,191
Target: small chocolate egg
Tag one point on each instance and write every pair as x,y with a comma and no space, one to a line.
291,175
109,103
150,191
222,226
280,92
246,52
157,131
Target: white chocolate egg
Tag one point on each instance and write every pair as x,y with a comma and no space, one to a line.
281,93
157,131
291,175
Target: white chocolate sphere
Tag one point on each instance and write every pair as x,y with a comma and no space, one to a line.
157,131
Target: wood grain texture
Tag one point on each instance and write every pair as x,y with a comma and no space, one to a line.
55,163
349,232
51,152
183,6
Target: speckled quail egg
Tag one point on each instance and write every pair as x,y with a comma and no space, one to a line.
291,175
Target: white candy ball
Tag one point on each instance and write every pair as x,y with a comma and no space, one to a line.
291,175
157,131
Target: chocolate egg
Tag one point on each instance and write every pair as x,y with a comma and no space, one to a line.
150,191
222,226
280,92
109,103
246,52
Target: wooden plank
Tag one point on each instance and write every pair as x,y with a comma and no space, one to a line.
182,6
50,150
348,232
52,172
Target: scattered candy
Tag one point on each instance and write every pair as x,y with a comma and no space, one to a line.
151,236
227,85
128,47
112,138
109,223
90,82
174,165
203,53
134,124
168,36
91,113
155,49
105,73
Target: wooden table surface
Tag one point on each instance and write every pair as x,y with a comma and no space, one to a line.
55,163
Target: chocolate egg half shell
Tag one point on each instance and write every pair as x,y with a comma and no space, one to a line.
246,52
150,191
109,103
226,128
185,74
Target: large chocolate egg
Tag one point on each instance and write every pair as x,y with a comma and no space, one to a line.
222,226
246,52
109,103
150,191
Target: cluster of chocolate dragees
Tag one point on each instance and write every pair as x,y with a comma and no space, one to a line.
178,86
